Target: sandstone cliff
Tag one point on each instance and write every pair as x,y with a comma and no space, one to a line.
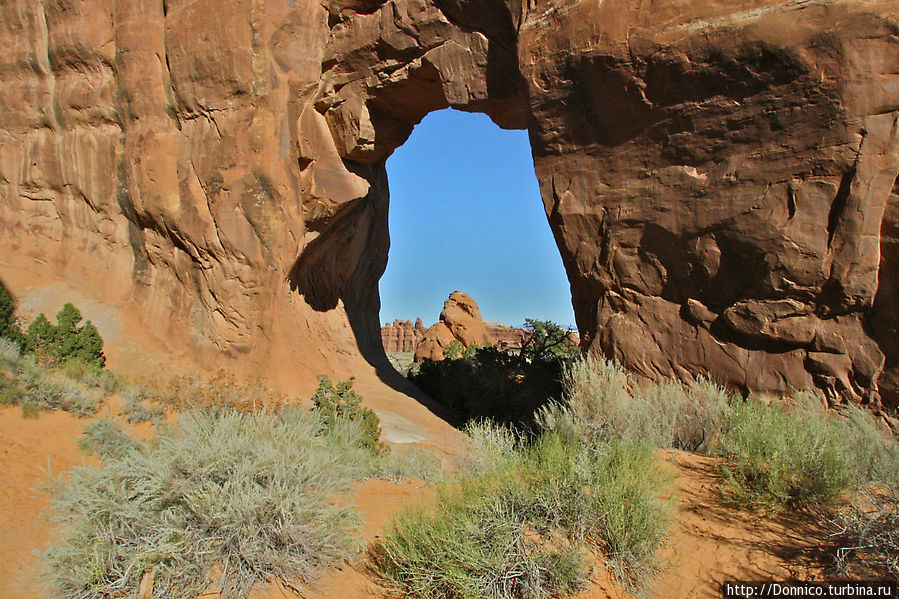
402,335
717,173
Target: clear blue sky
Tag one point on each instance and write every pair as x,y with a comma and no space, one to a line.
465,213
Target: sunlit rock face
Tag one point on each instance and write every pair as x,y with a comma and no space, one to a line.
718,174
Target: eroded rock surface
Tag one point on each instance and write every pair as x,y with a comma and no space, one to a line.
402,335
460,320
719,174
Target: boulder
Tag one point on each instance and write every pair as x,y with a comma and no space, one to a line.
460,320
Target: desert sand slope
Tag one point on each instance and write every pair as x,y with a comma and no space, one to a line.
709,542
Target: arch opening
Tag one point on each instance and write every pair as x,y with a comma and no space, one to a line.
466,214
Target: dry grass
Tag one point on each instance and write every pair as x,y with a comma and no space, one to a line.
221,391
525,517
221,500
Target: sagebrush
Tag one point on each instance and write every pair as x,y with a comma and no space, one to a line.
526,518
220,500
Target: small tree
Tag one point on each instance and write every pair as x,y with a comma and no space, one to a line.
40,335
66,340
545,340
341,402
453,350
9,328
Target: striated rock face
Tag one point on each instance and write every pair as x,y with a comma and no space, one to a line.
460,321
402,335
719,175
732,175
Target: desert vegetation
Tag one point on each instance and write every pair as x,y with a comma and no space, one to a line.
792,455
222,498
528,518
563,474
34,384
530,513
52,366
501,385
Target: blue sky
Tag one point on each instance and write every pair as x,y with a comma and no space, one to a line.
465,213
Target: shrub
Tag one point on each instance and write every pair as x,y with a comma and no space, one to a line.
136,406
454,350
10,393
471,544
342,403
525,516
9,328
868,532
65,339
36,385
410,462
220,392
777,457
545,339
106,439
601,401
874,450
220,500
47,388
10,353
92,375
502,385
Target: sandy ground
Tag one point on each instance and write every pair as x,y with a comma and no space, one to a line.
29,449
709,542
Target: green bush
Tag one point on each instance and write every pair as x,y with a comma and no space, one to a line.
502,385
9,328
524,518
778,457
410,462
106,439
34,385
65,340
775,455
49,388
601,401
220,500
471,544
342,403
137,407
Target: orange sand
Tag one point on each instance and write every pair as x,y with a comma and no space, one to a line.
709,542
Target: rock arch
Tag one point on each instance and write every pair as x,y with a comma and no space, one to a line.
716,182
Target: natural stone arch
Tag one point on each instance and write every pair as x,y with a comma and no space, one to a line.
767,290
716,182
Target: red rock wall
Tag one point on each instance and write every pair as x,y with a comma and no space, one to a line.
402,335
718,183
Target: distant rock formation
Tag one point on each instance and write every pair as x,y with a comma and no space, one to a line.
460,320
402,335
504,337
